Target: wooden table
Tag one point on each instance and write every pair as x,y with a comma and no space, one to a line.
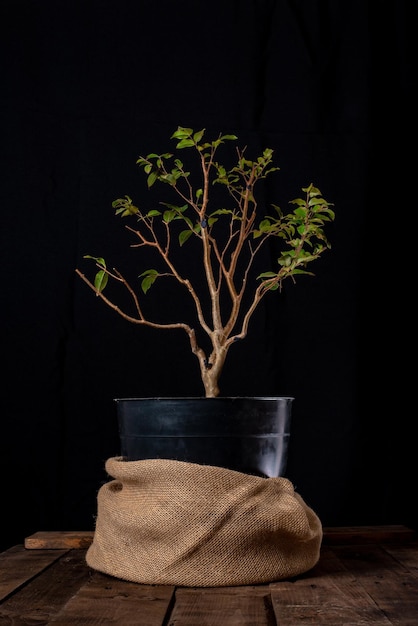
365,576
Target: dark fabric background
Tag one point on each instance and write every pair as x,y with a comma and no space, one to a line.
87,86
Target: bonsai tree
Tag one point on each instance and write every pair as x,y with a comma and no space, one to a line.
229,238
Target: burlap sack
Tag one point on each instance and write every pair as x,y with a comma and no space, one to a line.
174,523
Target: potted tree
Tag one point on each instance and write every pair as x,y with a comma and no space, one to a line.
224,236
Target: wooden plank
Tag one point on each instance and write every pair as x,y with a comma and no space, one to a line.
106,600
325,596
407,555
49,590
235,606
238,590
391,585
372,580
58,540
16,568
367,534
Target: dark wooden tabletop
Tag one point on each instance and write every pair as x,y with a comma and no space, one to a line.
365,576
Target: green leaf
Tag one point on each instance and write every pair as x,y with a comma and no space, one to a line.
168,178
298,271
198,136
184,236
265,226
124,206
150,276
185,143
168,216
151,179
285,260
222,212
230,137
182,132
100,280
99,260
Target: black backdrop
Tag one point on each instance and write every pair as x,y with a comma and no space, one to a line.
89,85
